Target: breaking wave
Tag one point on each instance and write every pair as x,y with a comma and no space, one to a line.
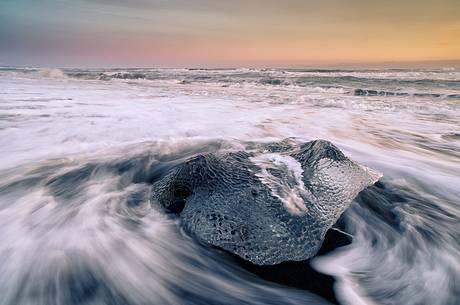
371,92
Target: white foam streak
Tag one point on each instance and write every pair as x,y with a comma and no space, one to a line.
287,185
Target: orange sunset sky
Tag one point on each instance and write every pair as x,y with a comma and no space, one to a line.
209,33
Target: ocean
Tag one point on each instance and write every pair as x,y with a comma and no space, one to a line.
80,149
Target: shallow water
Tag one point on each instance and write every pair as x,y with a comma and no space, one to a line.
80,148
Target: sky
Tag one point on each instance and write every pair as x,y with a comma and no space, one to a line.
207,33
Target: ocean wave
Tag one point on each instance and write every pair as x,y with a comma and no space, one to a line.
372,92
52,73
440,84
399,225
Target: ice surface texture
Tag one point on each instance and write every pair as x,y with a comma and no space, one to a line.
269,204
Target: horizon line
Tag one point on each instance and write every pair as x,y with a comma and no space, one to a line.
323,66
